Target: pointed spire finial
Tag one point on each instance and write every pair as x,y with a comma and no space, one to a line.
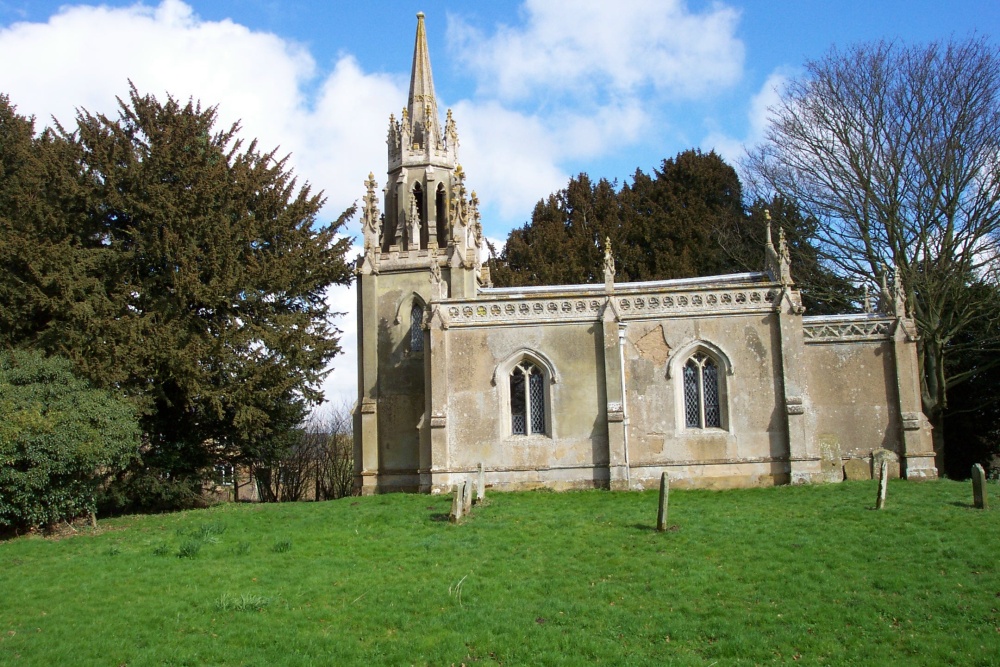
422,103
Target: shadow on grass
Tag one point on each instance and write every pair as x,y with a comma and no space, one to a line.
959,503
647,528
440,517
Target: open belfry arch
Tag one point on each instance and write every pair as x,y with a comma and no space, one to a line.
718,381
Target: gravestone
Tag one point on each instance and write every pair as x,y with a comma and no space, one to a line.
466,497
457,504
857,469
883,482
831,464
481,487
880,455
979,488
661,515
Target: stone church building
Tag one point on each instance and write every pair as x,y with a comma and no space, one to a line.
718,381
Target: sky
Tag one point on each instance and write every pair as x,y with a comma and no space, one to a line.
541,90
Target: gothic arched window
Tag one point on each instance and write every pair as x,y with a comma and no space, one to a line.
441,207
416,328
527,399
702,405
418,196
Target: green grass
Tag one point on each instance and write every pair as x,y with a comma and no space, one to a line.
810,575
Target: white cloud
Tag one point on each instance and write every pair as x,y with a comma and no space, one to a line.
341,385
758,116
84,56
581,48
508,155
578,81
513,158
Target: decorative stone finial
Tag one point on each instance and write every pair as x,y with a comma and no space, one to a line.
777,261
439,288
414,227
885,305
476,238
370,226
898,295
609,266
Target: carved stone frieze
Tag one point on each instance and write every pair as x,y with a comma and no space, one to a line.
588,307
839,329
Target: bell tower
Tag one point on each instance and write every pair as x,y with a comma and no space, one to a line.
422,249
427,211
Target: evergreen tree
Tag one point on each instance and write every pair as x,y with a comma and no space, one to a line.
175,264
671,222
686,219
46,251
564,242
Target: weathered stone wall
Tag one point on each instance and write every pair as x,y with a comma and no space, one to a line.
853,396
751,447
400,377
444,411
479,422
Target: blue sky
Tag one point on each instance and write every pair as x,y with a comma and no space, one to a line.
541,90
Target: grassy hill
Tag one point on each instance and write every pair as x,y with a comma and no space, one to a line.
791,574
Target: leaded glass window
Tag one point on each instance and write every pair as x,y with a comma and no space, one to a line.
527,400
702,405
518,408
416,328
710,384
692,411
536,402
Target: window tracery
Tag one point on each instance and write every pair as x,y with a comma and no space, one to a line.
527,399
416,328
702,394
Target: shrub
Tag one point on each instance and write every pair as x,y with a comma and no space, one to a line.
59,440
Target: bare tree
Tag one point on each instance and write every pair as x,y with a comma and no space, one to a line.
331,443
316,461
895,150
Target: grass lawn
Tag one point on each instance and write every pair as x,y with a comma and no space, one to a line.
789,574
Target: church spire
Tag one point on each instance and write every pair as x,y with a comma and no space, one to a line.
422,105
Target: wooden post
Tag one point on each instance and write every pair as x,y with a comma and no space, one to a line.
661,515
979,488
883,482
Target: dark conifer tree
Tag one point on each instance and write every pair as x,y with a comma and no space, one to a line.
177,265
